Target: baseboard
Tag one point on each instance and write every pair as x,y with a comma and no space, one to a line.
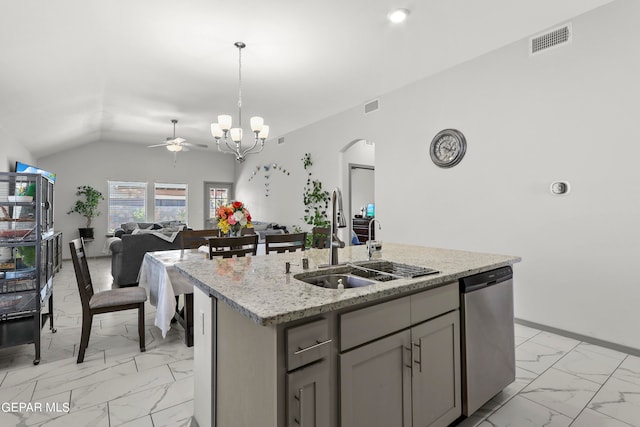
580,337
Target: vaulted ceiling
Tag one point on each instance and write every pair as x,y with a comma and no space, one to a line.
79,71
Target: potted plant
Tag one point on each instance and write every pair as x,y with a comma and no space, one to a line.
88,208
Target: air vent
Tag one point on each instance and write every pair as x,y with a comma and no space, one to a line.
551,39
371,106
281,140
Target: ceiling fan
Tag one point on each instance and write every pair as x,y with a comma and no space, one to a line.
176,144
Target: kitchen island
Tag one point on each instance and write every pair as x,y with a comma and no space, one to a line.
272,350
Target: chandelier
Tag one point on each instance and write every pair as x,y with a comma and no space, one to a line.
233,135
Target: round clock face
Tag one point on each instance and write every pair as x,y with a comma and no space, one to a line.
448,148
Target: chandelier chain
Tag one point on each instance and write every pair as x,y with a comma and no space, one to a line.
240,86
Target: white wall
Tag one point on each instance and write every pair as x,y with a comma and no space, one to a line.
11,152
568,114
95,164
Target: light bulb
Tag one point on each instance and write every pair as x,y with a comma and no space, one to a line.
216,131
398,15
236,134
257,123
225,122
264,133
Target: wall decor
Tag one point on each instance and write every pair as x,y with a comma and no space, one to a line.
265,171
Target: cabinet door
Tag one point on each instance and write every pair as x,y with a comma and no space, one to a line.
204,358
436,371
375,383
308,396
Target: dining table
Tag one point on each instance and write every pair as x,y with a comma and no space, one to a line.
159,276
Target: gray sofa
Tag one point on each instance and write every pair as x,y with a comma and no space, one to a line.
128,249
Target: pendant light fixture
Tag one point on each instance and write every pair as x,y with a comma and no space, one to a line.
232,136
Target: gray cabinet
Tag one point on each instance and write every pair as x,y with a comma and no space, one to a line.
436,371
308,396
375,383
409,378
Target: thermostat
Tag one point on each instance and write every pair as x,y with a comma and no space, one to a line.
559,187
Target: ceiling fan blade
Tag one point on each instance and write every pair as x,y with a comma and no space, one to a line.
188,144
158,145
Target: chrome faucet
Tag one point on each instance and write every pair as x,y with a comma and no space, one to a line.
369,246
337,221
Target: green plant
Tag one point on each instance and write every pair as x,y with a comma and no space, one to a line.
315,197
88,207
28,254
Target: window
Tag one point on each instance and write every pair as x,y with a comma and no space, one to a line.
127,203
170,202
217,194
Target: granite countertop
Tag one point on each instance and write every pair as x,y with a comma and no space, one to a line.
259,288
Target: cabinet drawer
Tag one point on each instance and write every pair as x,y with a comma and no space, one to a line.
367,324
434,302
307,343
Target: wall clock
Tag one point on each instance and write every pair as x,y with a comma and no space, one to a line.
448,148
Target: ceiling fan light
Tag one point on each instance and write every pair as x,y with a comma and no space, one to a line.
256,123
216,130
225,122
174,147
236,134
264,133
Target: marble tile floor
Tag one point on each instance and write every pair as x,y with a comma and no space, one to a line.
560,381
117,385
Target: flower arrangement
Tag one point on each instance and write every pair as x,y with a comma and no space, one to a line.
233,218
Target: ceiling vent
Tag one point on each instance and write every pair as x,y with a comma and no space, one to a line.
550,39
281,140
372,106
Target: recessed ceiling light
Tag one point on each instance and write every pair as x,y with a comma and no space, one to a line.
398,15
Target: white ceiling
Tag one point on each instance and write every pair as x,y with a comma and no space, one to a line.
78,71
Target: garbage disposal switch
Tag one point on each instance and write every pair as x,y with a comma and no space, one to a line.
488,344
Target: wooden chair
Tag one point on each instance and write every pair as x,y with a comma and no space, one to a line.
190,239
320,237
102,302
193,239
281,243
227,247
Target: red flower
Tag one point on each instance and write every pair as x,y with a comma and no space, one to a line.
237,205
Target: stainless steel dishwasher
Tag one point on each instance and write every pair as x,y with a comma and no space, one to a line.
488,347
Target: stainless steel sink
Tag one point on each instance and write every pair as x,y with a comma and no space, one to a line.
363,273
392,269
331,281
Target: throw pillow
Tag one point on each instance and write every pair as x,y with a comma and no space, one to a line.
130,226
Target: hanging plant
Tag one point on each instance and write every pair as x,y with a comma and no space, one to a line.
315,197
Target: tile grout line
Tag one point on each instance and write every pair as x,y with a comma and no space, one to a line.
598,391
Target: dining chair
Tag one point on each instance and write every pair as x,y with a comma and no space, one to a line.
227,247
281,243
193,239
102,302
320,237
